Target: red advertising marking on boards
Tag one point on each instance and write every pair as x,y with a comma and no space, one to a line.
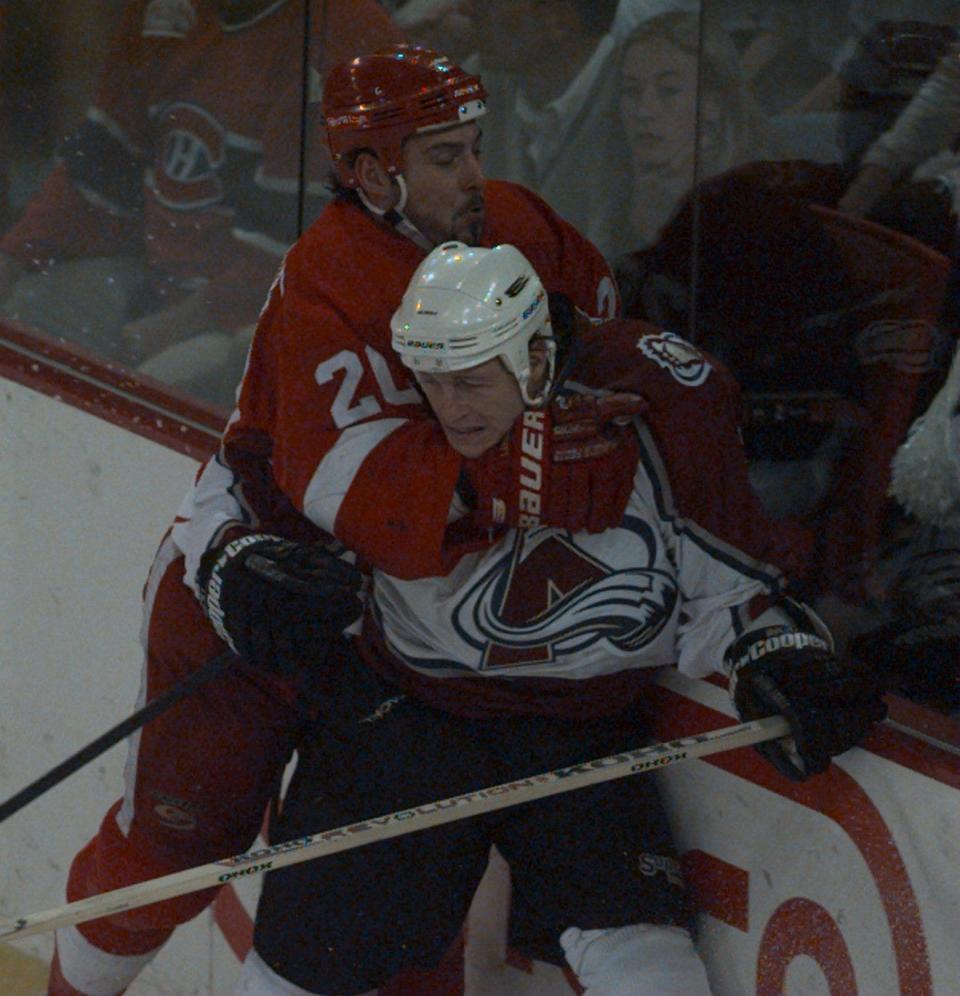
801,927
718,888
231,916
841,799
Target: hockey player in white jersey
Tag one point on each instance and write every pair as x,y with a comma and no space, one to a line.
534,648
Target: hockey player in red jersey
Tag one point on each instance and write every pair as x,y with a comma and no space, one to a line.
175,199
405,198
533,646
329,439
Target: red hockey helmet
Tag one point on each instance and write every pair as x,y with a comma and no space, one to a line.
376,101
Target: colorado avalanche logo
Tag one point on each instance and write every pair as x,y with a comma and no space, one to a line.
677,356
192,149
548,598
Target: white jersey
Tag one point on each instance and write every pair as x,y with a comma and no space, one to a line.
545,603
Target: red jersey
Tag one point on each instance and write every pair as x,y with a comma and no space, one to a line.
329,432
190,152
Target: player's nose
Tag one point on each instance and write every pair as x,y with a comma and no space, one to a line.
471,172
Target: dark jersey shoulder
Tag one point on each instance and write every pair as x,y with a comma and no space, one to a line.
692,449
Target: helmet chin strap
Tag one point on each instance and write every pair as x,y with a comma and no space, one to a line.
570,356
395,217
404,193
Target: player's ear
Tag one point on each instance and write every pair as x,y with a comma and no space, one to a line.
377,184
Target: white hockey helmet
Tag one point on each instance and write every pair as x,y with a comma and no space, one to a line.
466,305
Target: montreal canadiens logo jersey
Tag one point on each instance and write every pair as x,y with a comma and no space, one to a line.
191,146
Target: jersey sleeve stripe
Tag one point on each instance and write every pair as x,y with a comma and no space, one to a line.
335,473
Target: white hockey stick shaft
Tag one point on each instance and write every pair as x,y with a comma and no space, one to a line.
404,821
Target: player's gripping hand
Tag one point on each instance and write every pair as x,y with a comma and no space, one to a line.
570,465
830,703
276,603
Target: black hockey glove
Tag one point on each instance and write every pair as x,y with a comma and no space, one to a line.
830,703
276,603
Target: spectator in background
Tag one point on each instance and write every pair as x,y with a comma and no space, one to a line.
156,236
837,29
554,65
918,143
779,56
686,113
882,75
864,15
632,13
785,45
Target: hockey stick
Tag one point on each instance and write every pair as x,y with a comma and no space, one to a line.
404,821
95,748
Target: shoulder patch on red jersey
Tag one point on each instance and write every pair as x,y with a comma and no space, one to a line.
682,360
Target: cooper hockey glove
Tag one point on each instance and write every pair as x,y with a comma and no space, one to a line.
570,466
276,603
830,703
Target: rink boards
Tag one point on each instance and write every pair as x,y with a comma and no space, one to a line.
848,884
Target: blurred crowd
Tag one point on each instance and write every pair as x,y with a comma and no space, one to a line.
776,180
613,110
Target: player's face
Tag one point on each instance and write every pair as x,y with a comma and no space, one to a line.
658,104
445,184
475,407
